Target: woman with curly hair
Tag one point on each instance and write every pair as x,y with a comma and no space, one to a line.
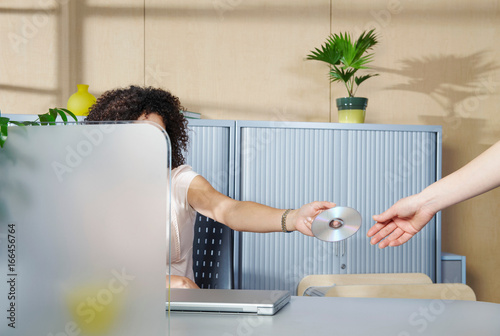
191,192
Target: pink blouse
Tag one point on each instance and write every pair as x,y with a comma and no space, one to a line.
183,217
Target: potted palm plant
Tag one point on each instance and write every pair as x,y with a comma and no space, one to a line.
345,57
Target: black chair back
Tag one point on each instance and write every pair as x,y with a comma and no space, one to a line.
213,254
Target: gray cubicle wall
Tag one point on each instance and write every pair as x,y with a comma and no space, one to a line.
367,167
211,152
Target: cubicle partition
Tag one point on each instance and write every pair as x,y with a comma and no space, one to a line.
83,227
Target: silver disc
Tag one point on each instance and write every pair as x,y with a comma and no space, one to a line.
336,224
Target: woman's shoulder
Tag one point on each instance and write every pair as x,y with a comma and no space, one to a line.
183,170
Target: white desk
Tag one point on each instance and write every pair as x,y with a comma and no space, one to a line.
313,316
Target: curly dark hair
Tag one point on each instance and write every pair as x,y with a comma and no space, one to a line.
132,102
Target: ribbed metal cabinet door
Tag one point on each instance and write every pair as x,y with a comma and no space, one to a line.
383,167
211,152
286,165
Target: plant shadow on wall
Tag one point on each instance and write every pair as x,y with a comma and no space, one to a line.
458,84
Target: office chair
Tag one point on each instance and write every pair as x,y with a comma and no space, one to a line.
213,254
324,280
441,291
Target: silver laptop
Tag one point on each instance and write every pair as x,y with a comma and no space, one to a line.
236,301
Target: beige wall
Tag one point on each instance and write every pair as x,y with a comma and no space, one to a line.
241,59
231,59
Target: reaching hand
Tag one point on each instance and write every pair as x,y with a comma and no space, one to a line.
399,223
302,218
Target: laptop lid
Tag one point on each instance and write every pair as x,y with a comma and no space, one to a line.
83,214
237,301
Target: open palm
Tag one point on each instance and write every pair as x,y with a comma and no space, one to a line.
399,223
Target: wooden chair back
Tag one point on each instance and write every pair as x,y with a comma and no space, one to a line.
361,279
442,291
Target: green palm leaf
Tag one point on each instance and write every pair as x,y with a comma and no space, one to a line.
339,74
361,62
365,42
348,50
328,53
361,79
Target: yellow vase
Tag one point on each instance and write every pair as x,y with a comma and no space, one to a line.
80,101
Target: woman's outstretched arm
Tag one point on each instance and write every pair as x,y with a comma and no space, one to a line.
250,216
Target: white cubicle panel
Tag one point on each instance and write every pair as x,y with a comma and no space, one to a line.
83,221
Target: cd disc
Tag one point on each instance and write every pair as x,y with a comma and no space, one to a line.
336,224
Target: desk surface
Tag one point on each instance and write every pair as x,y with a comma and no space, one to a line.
350,316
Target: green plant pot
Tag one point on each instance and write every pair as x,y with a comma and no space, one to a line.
352,109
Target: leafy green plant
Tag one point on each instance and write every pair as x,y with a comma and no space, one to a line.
346,57
48,118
